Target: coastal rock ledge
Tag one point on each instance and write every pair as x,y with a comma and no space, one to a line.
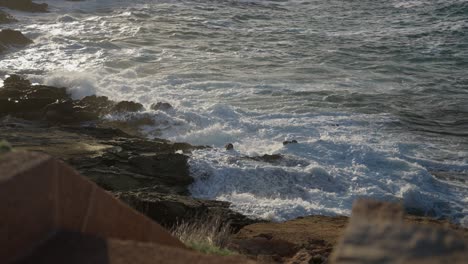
24,5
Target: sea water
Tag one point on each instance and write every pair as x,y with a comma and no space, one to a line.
375,92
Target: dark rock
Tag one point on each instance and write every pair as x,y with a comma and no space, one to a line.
171,209
268,158
6,18
24,5
97,104
161,106
9,37
20,98
229,146
127,106
169,168
287,142
66,112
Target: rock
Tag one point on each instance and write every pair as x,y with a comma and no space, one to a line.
229,146
301,238
287,142
9,37
35,102
98,104
6,18
377,233
66,112
161,106
18,97
24,5
168,168
268,158
127,106
172,209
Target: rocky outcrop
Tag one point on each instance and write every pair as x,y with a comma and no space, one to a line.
303,240
168,209
162,106
20,98
147,174
6,18
151,175
24,5
374,229
9,37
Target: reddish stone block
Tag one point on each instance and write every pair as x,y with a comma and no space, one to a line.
27,195
73,201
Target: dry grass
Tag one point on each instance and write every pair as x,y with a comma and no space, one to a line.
209,235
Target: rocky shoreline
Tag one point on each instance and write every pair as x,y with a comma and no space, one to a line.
152,176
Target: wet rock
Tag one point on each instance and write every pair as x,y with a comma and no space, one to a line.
97,104
287,142
21,99
18,97
162,106
171,209
24,5
66,112
127,106
6,18
168,168
268,158
9,37
229,146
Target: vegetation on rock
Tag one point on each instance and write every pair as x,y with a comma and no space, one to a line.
209,235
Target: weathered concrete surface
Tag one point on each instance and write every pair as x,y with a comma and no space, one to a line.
377,233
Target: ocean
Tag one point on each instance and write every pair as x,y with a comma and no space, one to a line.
375,93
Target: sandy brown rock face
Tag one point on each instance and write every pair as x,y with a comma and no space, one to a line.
305,239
